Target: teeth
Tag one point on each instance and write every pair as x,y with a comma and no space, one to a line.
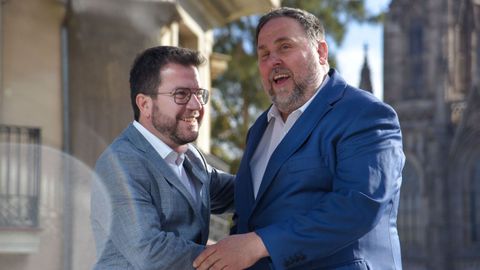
190,119
280,76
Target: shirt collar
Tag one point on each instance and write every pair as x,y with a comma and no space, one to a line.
162,148
275,113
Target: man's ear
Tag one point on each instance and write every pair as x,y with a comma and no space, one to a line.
144,104
322,49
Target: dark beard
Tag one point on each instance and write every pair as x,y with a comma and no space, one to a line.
169,127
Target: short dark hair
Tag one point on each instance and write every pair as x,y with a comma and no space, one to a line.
310,23
145,71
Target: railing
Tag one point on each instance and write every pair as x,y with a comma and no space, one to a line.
19,176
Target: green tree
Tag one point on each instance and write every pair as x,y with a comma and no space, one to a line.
239,97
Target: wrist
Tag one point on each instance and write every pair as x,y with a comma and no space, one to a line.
259,247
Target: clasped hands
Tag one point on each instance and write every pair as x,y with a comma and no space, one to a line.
234,252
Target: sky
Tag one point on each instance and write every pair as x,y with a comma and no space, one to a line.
350,55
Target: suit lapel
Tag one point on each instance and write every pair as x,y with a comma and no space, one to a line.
161,168
199,177
202,204
310,118
244,198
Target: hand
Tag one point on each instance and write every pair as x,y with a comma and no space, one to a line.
234,252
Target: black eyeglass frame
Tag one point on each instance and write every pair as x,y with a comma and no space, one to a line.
201,94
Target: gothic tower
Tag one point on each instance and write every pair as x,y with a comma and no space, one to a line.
365,81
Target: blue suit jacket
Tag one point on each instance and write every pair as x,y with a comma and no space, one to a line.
142,215
330,192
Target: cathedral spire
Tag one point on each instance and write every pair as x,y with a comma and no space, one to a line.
365,82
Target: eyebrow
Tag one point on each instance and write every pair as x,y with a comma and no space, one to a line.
278,40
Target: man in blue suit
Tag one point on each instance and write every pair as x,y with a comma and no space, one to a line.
154,191
319,183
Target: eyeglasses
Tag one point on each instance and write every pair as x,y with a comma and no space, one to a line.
182,95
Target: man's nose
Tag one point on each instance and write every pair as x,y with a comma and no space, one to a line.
194,102
274,59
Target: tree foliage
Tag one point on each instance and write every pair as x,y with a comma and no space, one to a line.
238,97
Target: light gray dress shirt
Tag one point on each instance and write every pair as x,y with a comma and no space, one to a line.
174,160
273,135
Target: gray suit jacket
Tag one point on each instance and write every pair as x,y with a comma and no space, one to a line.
142,216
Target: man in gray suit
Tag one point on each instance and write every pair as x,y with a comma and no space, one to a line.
153,191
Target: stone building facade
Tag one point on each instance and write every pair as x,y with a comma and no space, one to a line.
432,79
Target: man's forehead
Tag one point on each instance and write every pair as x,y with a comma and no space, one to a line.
276,41
280,29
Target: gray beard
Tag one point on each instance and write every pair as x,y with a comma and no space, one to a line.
294,101
299,95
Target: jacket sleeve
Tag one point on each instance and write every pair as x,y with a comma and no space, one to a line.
221,191
127,220
366,164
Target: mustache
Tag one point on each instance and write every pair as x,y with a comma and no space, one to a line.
278,70
194,114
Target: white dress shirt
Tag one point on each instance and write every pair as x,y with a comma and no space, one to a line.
273,135
172,158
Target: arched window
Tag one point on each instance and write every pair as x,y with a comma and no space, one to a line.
411,217
474,202
416,53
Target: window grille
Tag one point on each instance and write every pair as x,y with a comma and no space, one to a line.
19,176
